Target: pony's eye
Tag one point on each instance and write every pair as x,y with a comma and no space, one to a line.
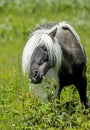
44,59
41,62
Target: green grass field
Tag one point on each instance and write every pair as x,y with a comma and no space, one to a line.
18,108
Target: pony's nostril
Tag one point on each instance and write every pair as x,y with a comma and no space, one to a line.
35,74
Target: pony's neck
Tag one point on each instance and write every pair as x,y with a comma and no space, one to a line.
57,54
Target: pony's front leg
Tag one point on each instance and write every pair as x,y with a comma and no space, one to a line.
59,91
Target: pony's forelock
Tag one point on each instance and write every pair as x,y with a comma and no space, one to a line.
29,48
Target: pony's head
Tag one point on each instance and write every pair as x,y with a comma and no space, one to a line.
41,53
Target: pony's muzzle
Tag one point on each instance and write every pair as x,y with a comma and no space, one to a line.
36,77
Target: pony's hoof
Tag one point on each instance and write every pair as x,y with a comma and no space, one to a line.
87,105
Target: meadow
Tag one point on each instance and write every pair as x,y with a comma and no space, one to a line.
19,110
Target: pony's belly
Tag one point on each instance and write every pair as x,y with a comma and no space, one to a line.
47,91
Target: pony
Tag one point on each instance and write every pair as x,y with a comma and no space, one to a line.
55,50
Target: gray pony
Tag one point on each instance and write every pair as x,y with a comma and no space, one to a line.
54,53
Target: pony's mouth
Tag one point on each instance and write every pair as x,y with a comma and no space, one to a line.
36,81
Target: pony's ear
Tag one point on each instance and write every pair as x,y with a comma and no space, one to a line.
52,33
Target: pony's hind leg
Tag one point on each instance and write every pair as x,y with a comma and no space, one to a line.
81,84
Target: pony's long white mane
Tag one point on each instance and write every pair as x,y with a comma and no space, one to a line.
40,37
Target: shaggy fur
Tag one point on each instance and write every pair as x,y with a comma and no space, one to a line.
64,49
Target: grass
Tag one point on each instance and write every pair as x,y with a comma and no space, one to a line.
19,110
